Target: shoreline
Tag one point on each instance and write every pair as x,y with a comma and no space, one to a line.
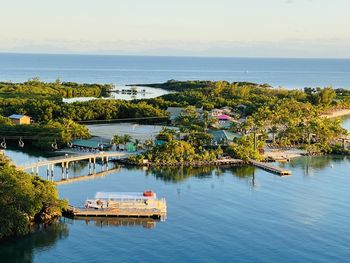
336,114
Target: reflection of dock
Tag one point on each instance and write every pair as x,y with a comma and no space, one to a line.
271,168
114,212
86,177
119,222
220,162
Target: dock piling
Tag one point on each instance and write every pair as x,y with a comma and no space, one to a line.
67,170
52,172
62,170
48,172
94,165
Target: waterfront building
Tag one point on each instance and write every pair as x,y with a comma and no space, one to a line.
175,112
223,136
20,119
216,112
95,143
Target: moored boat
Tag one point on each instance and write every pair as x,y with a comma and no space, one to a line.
109,204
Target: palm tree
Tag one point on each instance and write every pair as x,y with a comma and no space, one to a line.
138,144
126,138
274,131
148,144
117,139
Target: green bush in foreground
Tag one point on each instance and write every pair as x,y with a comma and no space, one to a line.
24,201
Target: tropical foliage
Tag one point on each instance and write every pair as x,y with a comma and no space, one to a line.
24,200
44,135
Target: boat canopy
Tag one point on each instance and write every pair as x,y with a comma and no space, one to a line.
120,196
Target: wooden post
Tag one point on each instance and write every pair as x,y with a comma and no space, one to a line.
94,165
67,170
106,163
255,140
89,166
103,164
48,172
52,171
62,170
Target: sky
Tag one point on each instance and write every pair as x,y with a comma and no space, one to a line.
228,28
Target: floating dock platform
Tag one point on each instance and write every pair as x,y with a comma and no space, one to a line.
271,168
126,213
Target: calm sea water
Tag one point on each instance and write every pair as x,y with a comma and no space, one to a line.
240,214
119,70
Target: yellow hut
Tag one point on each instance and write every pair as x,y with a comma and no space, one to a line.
20,119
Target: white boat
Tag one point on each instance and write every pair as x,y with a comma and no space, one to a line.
144,201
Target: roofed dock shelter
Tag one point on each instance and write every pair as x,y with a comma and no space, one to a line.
93,143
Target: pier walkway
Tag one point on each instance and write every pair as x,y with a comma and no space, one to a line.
270,168
65,161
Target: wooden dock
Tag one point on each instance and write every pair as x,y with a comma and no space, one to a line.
270,168
72,158
66,160
131,213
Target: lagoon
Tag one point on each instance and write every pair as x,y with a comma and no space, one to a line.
142,93
239,214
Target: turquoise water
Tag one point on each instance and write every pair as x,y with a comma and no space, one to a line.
239,214
346,122
292,73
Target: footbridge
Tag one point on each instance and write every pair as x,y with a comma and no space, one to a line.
66,160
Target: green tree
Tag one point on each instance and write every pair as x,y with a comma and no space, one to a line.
243,149
25,199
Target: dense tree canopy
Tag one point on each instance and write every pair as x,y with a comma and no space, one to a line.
290,115
44,135
25,199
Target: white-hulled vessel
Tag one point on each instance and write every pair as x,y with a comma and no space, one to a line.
146,201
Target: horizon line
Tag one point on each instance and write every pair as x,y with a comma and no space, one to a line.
165,56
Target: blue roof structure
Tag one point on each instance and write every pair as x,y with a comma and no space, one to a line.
223,135
94,143
16,116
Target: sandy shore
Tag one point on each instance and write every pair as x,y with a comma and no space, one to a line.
277,154
337,113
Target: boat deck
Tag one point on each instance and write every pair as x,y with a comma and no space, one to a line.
132,213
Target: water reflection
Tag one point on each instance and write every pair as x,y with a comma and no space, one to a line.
23,250
179,174
310,164
119,222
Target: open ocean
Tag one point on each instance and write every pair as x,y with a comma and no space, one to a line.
120,70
